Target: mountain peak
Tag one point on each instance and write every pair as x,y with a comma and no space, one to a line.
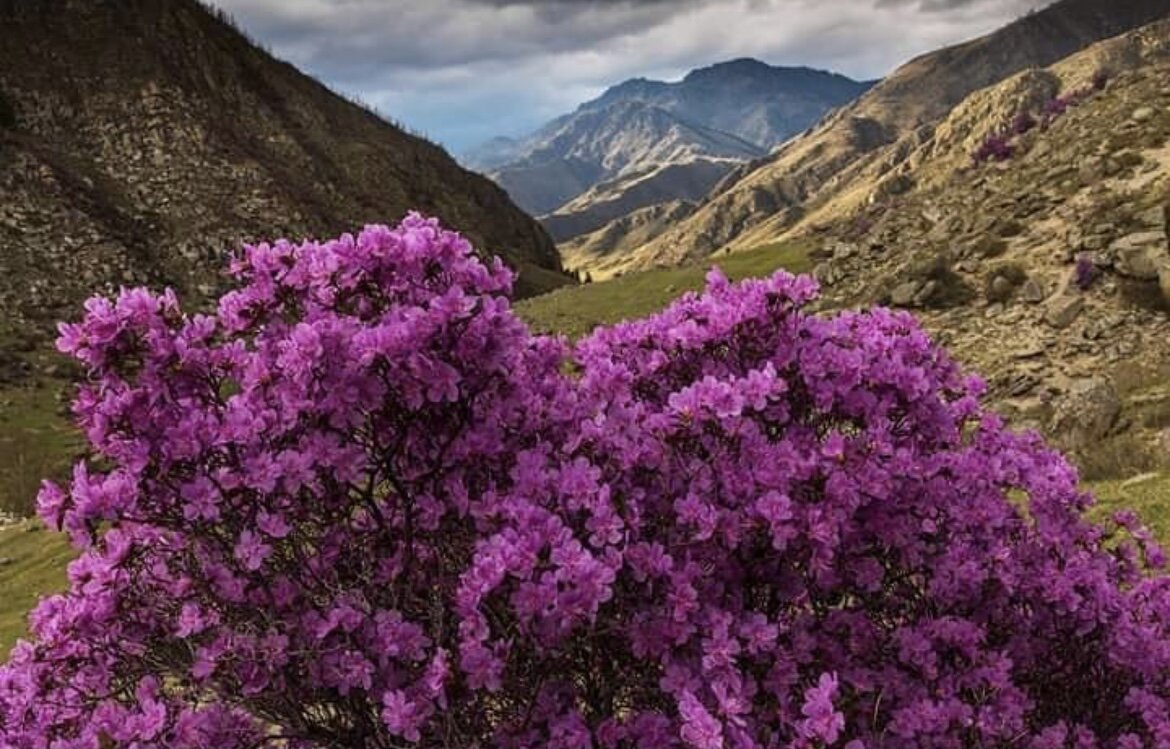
631,89
740,66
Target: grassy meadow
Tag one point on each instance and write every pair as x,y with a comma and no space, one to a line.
575,310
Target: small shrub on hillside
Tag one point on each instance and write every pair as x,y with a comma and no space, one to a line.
1024,122
1146,295
361,505
1100,80
860,226
996,290
1008,227
1129,160
1156,415
995,147
988,246
1116,457
1085,272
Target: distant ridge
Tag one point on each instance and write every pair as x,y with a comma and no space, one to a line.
644,141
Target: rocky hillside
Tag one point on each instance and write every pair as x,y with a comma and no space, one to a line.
644,142
1046,265
142,139
861,150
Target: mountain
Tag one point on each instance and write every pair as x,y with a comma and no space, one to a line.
643,142
493,153
860,152
140,140
596,144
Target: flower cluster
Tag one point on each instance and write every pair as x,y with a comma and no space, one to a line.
998,146
1085,272
995,147
1024,122
361,505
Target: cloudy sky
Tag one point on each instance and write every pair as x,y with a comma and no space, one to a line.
461,71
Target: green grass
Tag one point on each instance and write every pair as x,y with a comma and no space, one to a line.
1147,495
576,310
35,567
36,442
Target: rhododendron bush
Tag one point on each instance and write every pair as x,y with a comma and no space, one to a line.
361,505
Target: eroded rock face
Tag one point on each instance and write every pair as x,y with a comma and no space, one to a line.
1141,254
1086,415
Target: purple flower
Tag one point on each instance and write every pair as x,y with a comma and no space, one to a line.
251,551
821,722
699,728
402,716
995,147
1086,272
364,482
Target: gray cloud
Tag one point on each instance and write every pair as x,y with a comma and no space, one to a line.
937,6
464,70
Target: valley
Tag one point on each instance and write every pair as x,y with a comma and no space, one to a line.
721,513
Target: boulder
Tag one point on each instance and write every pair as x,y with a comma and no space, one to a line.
1063,309
1142,114
904,293
927,293
1001,288
828,274
1032,291
1140,255
1086,415
844,250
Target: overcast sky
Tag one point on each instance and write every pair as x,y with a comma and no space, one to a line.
461,71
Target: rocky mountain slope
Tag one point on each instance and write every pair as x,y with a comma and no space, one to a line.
140,140
643,141
861,150
1047,266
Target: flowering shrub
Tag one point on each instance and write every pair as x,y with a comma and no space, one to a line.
1057,106
1023,123
999,147
1085,272
995,147
362,506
